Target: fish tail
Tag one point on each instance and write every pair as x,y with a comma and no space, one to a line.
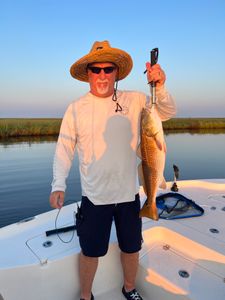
149,211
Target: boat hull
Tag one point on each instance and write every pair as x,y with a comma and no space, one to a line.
180,259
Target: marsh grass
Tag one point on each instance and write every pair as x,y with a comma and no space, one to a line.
50,127
29,127
189,124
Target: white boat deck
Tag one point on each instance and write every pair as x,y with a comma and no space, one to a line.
192,247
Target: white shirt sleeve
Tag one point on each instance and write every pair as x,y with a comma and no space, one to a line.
65,149
165,104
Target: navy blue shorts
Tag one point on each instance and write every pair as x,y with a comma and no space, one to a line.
94,225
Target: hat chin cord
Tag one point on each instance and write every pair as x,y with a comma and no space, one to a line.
114,98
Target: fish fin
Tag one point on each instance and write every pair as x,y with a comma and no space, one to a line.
149,211
163,184
159,142
138,152
141,177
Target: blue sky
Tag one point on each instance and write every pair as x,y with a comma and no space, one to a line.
41,39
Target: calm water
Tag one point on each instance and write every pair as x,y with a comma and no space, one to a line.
26,170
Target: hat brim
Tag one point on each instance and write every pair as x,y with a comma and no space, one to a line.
119,57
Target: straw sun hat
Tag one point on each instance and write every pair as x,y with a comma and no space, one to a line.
102,52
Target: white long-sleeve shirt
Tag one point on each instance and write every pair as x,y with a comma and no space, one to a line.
106,142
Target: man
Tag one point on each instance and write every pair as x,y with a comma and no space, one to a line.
104,126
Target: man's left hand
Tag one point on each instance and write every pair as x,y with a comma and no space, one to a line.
155,74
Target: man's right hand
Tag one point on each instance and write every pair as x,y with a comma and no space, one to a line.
56,199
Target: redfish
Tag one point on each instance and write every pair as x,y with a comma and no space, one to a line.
152,152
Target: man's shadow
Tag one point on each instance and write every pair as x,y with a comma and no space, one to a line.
117,157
